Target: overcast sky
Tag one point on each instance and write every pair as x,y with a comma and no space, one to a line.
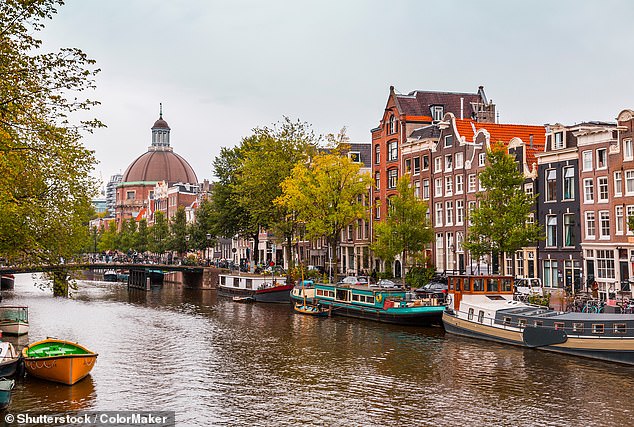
221,68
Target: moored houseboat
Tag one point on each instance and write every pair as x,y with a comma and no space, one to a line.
260,288
371,302
483,307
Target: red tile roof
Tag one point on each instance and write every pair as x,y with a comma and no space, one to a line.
505,132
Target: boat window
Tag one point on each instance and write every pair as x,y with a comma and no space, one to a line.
331,294
481,316
370,300
249,283
320,292
597,328
507,321
521,323
619,328
506,285
466,285
470,315
223,280
478,285
450,285
577,327
493,285
538,323
355,297
559,325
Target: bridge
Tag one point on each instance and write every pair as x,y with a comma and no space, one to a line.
141,276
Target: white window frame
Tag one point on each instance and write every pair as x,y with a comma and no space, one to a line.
588,190
604,225
629,182
449,212
590,225
602,152
569,183
482,159
459,184
551,231
551,185
618,220
448,185
438,217
618,183
426,189
558,143
437,164
459,212
438,188
603,189
448,163
586,157
459,161
628,150
472,183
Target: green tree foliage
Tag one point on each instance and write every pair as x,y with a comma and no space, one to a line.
142,237
406,230
45,185
203,226
109,240
500,224
159,234
178,232
268,158
127,235
327,196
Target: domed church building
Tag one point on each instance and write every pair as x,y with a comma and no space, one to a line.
158,165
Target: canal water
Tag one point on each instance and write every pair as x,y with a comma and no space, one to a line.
216,362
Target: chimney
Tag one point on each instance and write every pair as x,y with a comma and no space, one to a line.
461,108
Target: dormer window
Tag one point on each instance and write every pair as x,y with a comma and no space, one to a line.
355,156
558,143
437,111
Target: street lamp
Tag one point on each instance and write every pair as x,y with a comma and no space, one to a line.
207,247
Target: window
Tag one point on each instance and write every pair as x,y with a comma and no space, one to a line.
629,212
416,165
602,187
587,160
569,183
588,190
392,178
129,195
472,206
629,182
550,273
459,184
480,316
506,321
577,327
459,241
551,230
602,158
559,325
459,212
393,124
482,157
597,328
448,162
377,180
470,314
438,164
618,183
448,185
551,185
591,230
449,213
559,141
377,209
528,189
605,264
425,189
377,154
425,163
459,160
628,151
472,183
619,328
392,150
437,112
448,140
604,224
438,187
618,217
569,226
438,221
408,165
417,189
355,156
521,323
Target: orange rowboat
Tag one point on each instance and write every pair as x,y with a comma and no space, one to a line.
58,360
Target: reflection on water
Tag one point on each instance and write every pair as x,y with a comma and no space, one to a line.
219,363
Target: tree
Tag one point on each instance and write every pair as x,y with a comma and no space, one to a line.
327,196
202,227
45,185
109,238
159,234
499,225
268,158
406,230
142,237
128,235
178,231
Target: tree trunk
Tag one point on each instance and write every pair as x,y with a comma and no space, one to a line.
289,257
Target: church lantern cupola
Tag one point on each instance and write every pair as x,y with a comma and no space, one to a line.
160,134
